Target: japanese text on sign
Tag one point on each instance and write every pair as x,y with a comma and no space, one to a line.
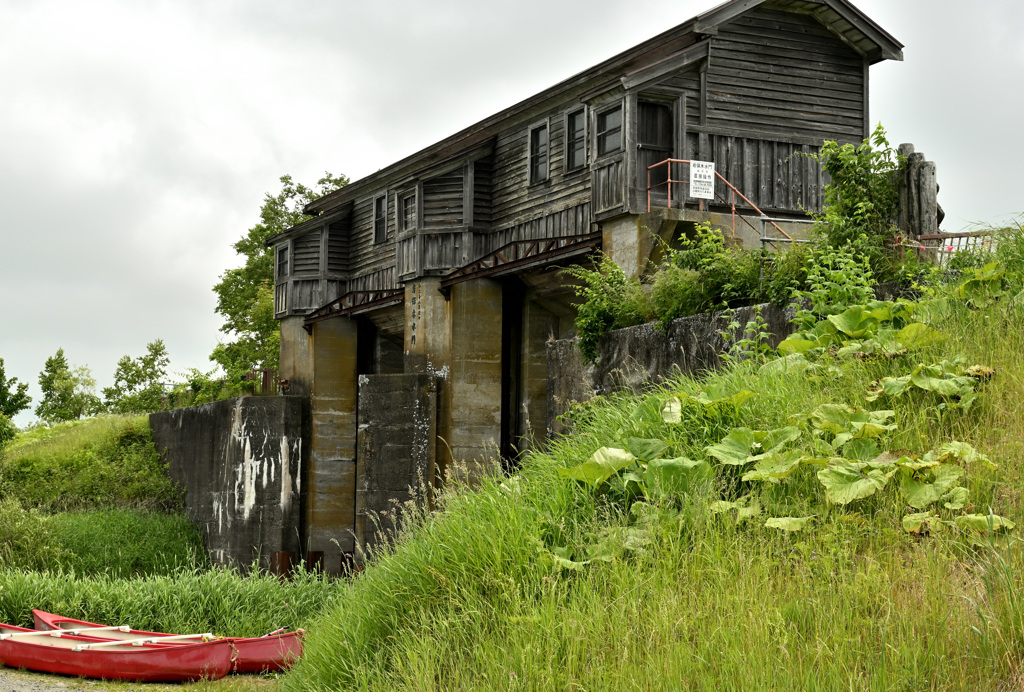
702,179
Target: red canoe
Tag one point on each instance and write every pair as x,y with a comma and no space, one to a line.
255,654
34,650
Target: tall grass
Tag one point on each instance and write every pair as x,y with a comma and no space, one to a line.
98,462
116,542
219,600
473,597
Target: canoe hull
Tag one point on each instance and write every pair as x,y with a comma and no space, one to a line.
255,654
202,661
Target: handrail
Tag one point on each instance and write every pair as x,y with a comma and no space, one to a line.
669,181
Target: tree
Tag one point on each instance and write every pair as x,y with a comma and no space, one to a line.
14,396
245,296
68,394
138,382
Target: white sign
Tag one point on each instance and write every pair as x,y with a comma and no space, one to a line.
702,179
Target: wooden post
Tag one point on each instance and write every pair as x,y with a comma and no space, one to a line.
929,204
905,151
914,163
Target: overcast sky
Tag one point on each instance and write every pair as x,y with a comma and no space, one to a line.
137,139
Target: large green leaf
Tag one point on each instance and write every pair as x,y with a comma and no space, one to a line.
983,523
734,449
923,492
793,363
718,394
776,467
645,449
743,445
932,379
795,346
791,524
847,481
918,335
861,449
855,322
955,499
673,477
963,453
925,522
602,465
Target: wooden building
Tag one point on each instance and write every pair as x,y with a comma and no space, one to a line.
446,262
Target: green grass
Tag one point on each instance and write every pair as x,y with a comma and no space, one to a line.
101,462
495,591
219,600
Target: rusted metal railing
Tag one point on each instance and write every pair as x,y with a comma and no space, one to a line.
734,193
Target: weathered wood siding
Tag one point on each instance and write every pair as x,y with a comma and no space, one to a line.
306,257
515,200
775,176
786,75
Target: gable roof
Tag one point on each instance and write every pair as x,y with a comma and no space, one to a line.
841,17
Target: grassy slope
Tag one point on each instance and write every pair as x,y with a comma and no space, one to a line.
82,533
471,599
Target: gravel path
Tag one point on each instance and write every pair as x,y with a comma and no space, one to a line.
20,681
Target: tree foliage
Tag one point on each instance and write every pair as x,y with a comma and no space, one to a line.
245,296
138,382
14,396
862,199
68,394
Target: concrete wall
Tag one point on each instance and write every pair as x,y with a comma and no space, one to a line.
397,448
632,357
241,462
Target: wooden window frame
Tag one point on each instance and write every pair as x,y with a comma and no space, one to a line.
598,133
285,250
545,176
401,198
381,235
568,147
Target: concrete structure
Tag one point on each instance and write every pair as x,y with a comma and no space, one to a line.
446,264
241,463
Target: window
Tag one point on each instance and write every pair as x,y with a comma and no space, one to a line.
575,140
538,153
408,211
282,261
380,219
609,131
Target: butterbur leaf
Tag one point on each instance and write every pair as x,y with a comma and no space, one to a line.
914,464
861,449
774,468
983,523
672,411
963,453
745,513
846,481
922,523
795,363
855,322
645,449
716,395
917,335
796,347
931,379
735,448
673,477
921,493
774,440
790,524
562,558
605,463
955,499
